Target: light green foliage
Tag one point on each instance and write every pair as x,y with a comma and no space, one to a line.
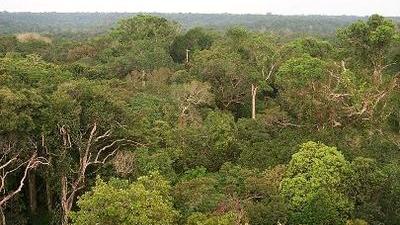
81,103
369,41
314,186
145,201
301,72
30,72
153,117
356,222
205,219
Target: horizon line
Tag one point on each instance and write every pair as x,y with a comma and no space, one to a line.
199,13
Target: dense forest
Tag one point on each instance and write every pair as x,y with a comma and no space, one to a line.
155,121
80,25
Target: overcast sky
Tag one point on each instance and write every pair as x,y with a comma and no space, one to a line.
325,7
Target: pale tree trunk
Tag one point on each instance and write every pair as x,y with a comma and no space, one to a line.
88,156
32,192
253,100
187,55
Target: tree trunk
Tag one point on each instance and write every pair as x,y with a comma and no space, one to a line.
253,101
49,199
143,78
64,200
187,55
32,192
3,217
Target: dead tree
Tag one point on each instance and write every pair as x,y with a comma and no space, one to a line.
11,162
94,148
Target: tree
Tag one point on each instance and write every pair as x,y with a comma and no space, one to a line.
227,74
369,42
146,201
263,53
302,82
366,189
11,162
209,145
390,198
26,84
86,122
195,39
192,96
207,219
314,186
146,27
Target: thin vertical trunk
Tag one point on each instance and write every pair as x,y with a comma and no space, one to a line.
49,199
32,192
187,55
64,200
253,101
3,217
49,196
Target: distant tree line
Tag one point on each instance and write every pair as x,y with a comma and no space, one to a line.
80,25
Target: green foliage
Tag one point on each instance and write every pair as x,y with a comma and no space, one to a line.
366,189
390,198
145,27
301,72
195,39
369,41
118,202
314,186
222,67
199,194
211,144
125,103
204,219
311,46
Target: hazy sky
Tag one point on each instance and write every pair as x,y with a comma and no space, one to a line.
326,7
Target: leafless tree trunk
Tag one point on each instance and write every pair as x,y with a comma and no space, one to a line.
253,100
10,162
143,78
90,154
187,55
